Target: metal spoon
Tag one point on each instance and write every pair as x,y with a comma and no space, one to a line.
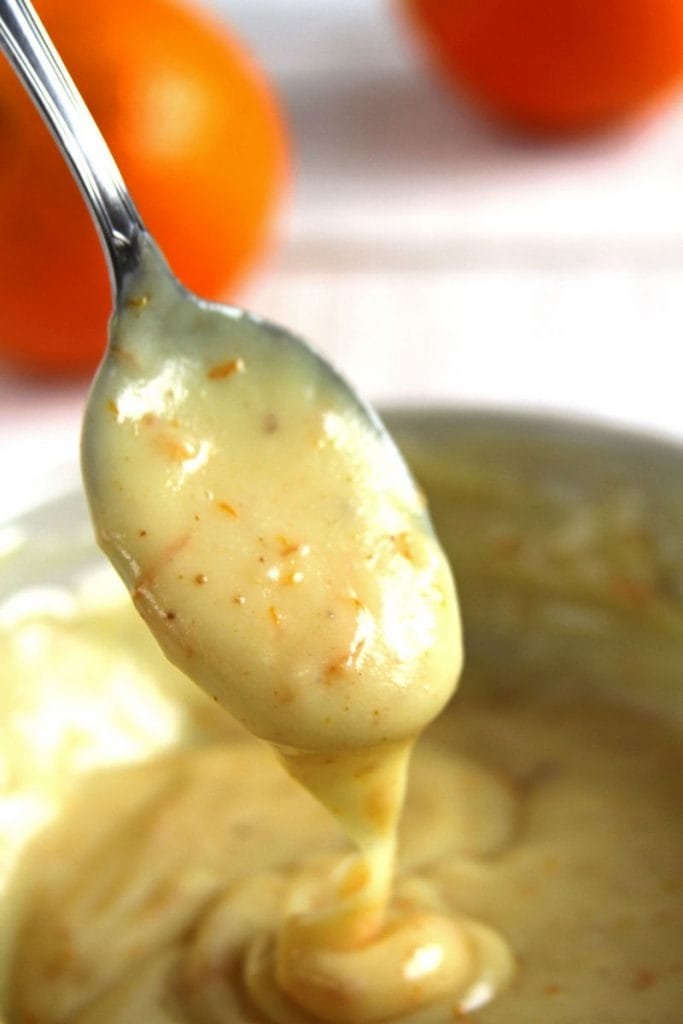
258,511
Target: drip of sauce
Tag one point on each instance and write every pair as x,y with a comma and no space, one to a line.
282,556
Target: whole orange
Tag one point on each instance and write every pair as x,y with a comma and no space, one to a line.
558,66
199,140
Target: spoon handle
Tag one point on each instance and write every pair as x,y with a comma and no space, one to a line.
38,65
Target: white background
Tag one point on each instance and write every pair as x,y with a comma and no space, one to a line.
433,258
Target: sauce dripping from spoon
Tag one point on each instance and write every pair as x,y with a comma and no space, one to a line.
279,550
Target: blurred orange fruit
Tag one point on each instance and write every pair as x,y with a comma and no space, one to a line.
198,138
556,66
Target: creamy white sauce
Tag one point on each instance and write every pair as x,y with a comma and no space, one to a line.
279,550
160,890
270,534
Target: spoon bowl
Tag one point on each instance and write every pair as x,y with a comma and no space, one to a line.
262,518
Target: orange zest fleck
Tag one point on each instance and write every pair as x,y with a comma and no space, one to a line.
644,979
226,369
292,578
229,509
124,357
177,449
287,547
403,545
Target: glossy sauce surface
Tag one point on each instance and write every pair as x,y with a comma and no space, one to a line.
282,557
267,528
557,822
279,550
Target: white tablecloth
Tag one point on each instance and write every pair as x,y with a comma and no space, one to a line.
433,258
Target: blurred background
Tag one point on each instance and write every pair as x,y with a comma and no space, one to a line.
434,254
